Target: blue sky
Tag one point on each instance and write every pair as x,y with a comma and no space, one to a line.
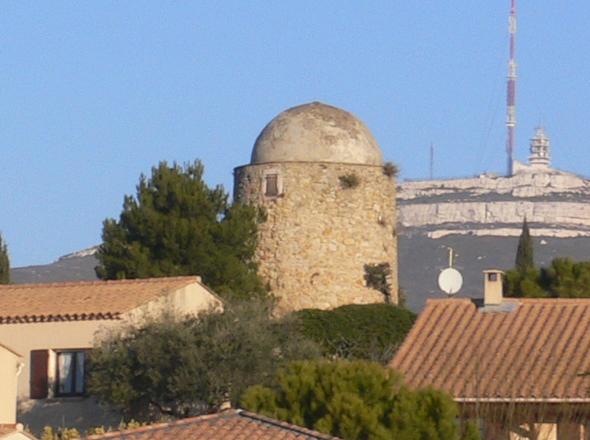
95,93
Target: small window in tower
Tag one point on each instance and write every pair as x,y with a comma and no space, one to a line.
492,277
272,185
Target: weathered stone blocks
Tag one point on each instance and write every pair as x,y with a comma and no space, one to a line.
319,235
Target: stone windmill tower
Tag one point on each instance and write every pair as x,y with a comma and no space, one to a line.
330,234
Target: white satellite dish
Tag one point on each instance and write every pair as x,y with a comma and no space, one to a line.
450,281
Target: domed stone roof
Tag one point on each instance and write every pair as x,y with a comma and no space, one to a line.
316,132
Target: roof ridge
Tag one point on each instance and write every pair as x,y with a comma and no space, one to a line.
287,425
101,282
512,299
437,300
217,415
554,300
161,425
144,428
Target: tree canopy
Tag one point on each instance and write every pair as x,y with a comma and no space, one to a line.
355,400
370,331
177,225
564,278
183,367
4,262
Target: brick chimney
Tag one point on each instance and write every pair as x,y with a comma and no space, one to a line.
492,287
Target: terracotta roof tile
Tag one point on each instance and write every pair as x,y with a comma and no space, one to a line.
535,352
82,300
7,429
226,425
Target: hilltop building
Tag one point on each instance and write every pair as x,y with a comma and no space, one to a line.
330,209
481,219
554,202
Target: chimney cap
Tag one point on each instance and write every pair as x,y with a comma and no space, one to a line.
494,271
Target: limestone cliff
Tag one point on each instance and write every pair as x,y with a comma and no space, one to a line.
554,202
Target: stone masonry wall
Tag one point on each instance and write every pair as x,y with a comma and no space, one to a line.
319,235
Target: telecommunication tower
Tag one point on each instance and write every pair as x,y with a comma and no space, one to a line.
511,92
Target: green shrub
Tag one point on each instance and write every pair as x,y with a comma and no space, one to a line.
369,332
390,169
356,401
349,181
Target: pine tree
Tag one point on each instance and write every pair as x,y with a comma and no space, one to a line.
177,225
355,400
524,252
4,263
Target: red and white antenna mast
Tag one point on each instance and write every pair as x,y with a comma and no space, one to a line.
511,95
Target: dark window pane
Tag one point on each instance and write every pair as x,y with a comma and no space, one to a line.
272,185
65,372
70,373
79,387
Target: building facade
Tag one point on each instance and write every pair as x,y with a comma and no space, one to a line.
54,326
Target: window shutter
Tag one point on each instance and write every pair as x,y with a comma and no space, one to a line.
39,364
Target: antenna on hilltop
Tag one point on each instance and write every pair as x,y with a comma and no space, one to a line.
450,279
431,161
511,92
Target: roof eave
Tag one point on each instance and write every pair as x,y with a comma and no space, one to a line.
522,399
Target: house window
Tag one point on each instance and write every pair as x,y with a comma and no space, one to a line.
70,373
271,185
492,277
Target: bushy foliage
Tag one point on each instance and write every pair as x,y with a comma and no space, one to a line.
525,284
4,262
177,225
390,169
64,433
349,181
378,277
370,332
355,400
564,278
59,434
180,368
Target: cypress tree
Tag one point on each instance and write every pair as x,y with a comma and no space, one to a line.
524,252
4,263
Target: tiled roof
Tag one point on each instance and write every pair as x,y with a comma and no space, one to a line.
82,300
536,352
226,425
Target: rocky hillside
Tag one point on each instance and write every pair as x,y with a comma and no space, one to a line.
78,266
421,259
555,203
